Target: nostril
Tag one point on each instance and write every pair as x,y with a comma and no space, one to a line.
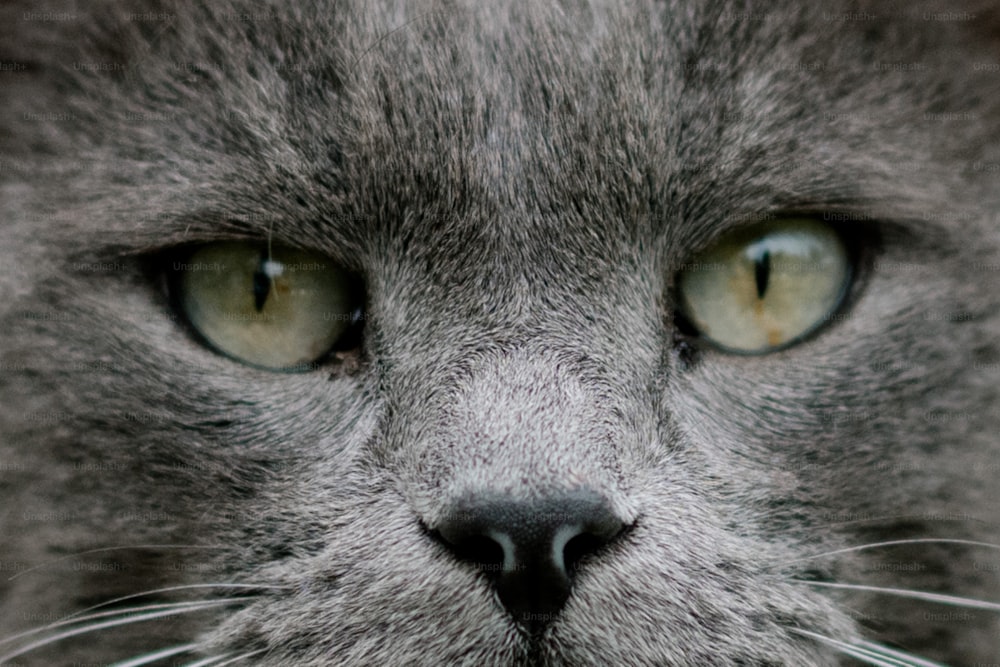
481,551
580,547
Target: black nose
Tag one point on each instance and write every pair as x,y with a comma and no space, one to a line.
530,549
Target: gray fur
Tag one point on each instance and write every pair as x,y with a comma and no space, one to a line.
518,184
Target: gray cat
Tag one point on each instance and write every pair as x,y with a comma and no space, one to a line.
502,333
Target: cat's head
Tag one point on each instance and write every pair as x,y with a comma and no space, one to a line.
499,333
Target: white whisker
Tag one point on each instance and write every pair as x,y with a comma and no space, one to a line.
108,624
70,620
870,652
242,656
885,650
118,548
864,657
953,600
208,662
156,655
893,543
896,518
172,589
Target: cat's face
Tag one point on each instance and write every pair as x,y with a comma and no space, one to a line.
523,227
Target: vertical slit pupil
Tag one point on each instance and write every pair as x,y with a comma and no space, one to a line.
762,272
261,283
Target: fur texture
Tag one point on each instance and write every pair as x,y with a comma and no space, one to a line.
518,184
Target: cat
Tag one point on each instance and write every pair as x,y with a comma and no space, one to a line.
346,332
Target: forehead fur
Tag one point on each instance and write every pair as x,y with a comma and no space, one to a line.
422,117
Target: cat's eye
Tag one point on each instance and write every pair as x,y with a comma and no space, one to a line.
278,308
764,287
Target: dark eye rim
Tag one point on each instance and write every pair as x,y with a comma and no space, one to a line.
862,242
351,342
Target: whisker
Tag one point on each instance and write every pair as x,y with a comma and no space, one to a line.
242,656
156,655
69,620
118,548
847,649
870,652
221,660
895,518
108,624
171,589
208,662
969,603
893,543
914,660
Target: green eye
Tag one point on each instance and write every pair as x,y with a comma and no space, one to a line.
764,287
277,308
